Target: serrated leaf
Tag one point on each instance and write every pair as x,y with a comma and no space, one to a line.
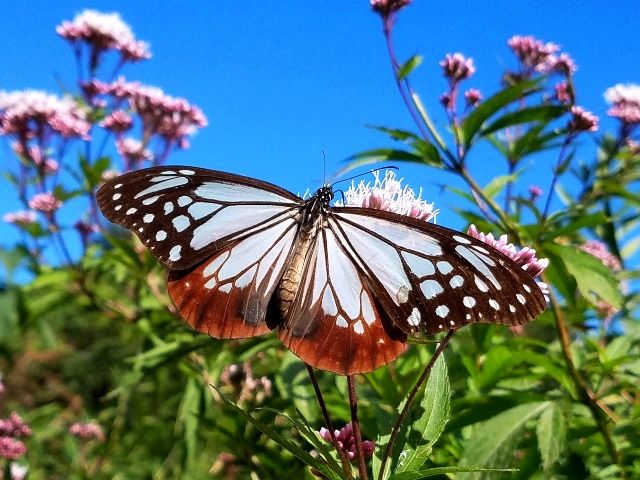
486,109
551,432
409,66
423,432
492,443
539,113
594,280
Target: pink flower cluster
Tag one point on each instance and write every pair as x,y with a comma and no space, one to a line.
132,150
87,431
387,7
347,442
389,194
538,56
104,31
27,113
44,202
625,102
10,429
473,97
25,217
525,257
249,388
35,154
457,67
599,250
582,120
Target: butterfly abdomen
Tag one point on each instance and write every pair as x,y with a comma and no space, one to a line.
290,283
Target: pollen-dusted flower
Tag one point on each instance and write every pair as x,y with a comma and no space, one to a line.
387,7
24,217
457,67
473,97
389,194
104,31
525,257
87,431
582,120
27,113
44,202
599,250
347,442
532,53
625,102
11,448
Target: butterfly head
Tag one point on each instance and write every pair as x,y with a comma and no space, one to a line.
323,197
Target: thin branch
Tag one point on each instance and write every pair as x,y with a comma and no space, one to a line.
346,467
355,423
410,398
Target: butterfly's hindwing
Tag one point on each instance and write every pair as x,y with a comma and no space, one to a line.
184,215
335,322
437,279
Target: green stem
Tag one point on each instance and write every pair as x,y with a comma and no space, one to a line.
355,423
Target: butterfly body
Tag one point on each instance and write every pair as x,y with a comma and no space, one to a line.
343,286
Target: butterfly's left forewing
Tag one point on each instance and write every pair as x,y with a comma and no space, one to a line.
184,215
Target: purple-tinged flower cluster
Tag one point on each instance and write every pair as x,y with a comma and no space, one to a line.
387,7
532,53
118,121
87,431
14,426
102,32
44,202
249,389
28,114
11,448
473,97
21,218
534,192
389,194
563,93
582,120
347,442
456,67
132,150
525,257
625,102
599,250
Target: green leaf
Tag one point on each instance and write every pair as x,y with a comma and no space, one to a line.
409,66
188,417
495,186
540,113
552,432
594,280
492,443
577,223
423,432
438,471
486,109
380,155
395,133
293,384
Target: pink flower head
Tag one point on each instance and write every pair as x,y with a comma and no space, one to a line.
27,113
118,121
104,31
25,217
534,191
347,442
110,175
448,100
625,102
389,194
456,67
87,431
599,250
563,92
14,426
563,63
525,257
17,471
387,7
11,448
132,150
473,97
44,202
532,53
582,120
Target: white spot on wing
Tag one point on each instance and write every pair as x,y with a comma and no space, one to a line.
521,298
150,200
118,207
213,266
456,281
174,253
184,200
200,210
341,322
187,172
148,218
526,287
418,265
181,222
403,294
468,302
495,305
414,318
170,183
131,211
161,235
358,327
117,186
481,285
116,196
431,288
512,309
168,208
367,308
444,267
442,311
478,263
460,239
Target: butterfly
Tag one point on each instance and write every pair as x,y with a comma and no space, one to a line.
343,286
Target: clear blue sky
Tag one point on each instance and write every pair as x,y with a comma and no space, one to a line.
282,81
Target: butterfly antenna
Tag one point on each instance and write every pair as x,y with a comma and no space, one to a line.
390,167
324,167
